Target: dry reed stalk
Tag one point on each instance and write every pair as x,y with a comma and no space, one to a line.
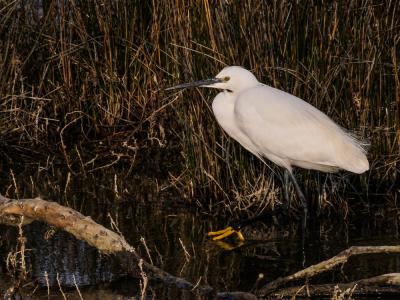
111,61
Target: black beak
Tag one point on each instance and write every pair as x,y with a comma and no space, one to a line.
196,83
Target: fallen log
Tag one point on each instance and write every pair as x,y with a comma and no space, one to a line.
105,240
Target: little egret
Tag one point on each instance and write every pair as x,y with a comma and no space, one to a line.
280,127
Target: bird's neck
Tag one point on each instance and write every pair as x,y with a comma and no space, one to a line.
243,86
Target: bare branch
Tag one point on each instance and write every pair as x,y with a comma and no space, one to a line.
326,265
378,285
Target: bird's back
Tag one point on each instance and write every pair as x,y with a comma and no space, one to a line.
291,132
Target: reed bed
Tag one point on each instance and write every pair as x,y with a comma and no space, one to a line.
82,83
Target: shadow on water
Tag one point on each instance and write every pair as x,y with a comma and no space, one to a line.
173,236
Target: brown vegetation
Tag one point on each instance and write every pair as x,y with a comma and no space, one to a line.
84,81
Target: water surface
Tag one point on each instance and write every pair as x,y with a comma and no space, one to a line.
175,236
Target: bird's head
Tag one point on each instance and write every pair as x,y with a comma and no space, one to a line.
233,78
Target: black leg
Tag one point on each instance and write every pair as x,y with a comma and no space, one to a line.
286,187
302,199
304,220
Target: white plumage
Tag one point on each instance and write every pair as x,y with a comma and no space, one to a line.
284,129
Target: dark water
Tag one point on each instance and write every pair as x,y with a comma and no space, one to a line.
175,235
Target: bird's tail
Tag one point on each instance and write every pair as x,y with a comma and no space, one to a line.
354,158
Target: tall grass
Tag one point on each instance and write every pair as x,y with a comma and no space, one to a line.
84,80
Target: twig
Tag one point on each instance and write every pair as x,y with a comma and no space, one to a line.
46,277
143,241
59,286
144,282
21,241
187,255
63,146
77,288
15,183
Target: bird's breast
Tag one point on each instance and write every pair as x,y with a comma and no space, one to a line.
224,110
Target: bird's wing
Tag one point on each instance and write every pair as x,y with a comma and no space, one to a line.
285,127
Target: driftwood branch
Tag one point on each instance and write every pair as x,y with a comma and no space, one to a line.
378,285
54,214
105,240
326,265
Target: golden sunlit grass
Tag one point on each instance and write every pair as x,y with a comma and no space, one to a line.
84,81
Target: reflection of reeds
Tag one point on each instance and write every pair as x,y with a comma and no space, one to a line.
81,78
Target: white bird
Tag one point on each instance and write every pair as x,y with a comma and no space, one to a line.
280,127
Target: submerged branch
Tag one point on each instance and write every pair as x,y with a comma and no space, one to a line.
105,240
326,265
378,285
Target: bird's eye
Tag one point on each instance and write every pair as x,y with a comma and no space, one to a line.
226,78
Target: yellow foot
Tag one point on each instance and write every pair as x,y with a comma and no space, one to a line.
221,234
228,246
